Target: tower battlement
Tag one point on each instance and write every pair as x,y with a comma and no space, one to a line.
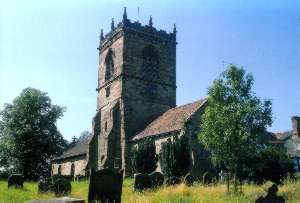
126,26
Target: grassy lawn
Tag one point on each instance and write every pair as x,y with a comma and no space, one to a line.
179,193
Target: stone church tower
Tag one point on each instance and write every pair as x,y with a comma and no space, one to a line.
136,84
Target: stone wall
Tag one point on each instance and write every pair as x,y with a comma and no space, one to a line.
79,166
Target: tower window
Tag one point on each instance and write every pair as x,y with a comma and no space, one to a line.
109,64
107,91
105,126
150,65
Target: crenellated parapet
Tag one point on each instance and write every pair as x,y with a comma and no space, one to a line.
126,26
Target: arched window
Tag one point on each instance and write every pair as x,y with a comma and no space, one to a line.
150,63
109,65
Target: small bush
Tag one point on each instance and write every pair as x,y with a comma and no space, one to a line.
45,185
144,157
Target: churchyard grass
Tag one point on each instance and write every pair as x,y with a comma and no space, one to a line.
180,193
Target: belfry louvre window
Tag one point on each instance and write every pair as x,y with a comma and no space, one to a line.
109,65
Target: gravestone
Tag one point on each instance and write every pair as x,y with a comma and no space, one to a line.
15,180
61,186
188,180
141,182
106,186
271,196
157,179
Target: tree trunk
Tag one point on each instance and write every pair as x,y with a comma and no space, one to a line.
235,180
227,181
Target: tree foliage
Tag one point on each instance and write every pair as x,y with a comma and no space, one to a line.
174,156
235,119
270,163
29,134
144,157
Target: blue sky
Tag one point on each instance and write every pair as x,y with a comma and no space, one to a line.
51,45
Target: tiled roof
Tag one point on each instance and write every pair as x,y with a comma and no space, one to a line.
79,149
284,135
171,120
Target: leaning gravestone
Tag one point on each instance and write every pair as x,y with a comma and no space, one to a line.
58,200
15,180
207,178
157,179
188,180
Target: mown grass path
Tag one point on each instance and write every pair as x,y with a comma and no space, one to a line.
177,194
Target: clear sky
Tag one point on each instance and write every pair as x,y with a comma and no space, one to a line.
51,46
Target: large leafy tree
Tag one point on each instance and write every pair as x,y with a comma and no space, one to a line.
234,121
29,135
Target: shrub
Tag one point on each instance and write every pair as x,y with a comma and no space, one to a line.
45,185
271,163
174,157
144,157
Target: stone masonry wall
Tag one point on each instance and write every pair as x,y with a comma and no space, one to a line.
79,163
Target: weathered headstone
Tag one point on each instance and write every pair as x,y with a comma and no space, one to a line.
15,180
142,182
207,178
157,179
106,186
188,180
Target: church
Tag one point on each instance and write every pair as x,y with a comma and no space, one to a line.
136,99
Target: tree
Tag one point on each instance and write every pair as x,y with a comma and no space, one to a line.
271,163
84,135
29,133
234,121
144,157
72,143
175,156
